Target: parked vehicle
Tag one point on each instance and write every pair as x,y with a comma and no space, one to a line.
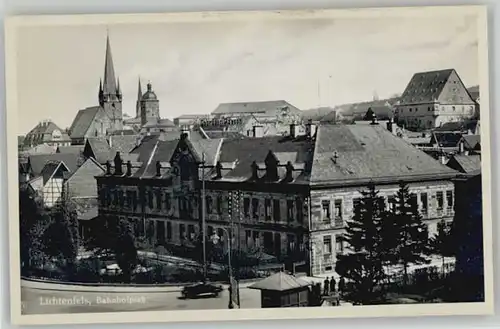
202,289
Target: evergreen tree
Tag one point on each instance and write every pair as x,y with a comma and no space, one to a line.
408,237
362,264
125,248
442,243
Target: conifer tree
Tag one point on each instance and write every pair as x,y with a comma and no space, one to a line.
442,243
409,237
362,264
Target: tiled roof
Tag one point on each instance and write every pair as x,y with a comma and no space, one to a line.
280,282
74,149
42,133
425,87
100,148
458,126
466,163
472,142
223,134
39,149
123,132
159,123
124,144
81,183
367,153
474,92
20,140
38,161
268,107
82,121
242,152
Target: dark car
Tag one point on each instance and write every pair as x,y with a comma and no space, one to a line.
202,289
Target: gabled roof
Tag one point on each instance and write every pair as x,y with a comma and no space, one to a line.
280,282
367,152
465,163
42,133
82,121
269,107
51,168
81,182
427,87
37,161
99,147
472,142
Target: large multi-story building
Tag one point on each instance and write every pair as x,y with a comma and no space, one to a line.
434,98
286,196
46,133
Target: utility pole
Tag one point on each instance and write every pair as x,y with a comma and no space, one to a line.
203,215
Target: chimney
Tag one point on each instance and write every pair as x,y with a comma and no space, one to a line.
129,168
118,164
255,171
461,147
185,132
258,131
218,170
158,169
310,129
293,130
289,172
108,168
335,157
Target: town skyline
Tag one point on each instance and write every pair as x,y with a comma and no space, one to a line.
205,63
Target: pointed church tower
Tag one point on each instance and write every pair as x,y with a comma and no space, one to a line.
138,103
110,96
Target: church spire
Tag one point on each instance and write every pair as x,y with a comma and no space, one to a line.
139,97
109,86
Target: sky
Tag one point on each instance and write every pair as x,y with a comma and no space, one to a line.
195,66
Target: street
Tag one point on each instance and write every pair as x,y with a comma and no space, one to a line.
41,301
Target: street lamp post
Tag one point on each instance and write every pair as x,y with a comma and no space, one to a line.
215,240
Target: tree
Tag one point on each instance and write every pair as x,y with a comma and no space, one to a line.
125,249
362,264
34,220
408,237
442,243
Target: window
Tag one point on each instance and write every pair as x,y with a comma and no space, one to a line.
267,210
299,205
325,207
191,233
219,204
246,207
453,108
169,231
158,199
449,199
276,210
424,204
256,238
150,199
327,244
289,210
168,201
255,208
429,109
440,201
182,232
338,209
413,199
339,244
391,203
248,238
209,204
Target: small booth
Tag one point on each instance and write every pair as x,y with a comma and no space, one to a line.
283,290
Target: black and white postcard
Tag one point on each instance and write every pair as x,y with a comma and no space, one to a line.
249,165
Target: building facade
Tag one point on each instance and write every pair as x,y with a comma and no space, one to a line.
283,197
434,98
